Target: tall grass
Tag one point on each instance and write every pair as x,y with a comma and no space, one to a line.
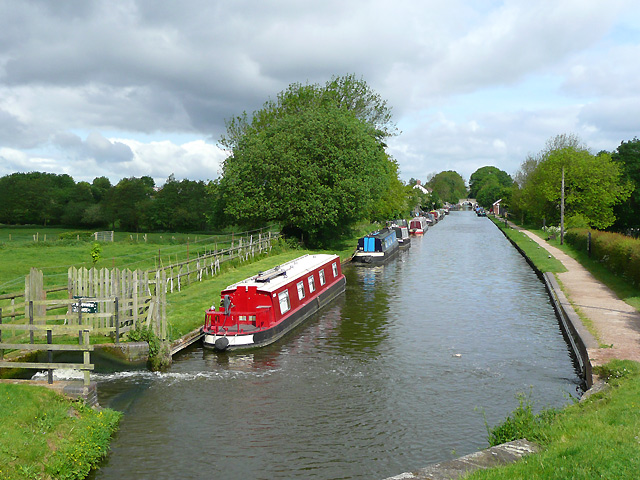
596,438
45,435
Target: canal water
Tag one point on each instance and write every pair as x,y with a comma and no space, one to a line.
402,371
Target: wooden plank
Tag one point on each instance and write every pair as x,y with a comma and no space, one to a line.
46,366
73,316
10,296
43,328
44,346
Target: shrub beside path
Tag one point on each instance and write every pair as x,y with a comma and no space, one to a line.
616,323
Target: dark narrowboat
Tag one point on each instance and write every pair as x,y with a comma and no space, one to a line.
377,248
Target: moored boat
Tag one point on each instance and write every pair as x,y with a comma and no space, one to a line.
259,310
418,226
402,234
377,248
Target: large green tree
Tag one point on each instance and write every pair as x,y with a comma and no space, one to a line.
593,185
449,186
488,184
313,160
627,156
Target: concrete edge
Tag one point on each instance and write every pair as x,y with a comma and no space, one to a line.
577,336
499,455
73,389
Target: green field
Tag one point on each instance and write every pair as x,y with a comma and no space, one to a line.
185,308
19,252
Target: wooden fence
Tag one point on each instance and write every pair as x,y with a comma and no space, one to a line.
50,330
105,302
111,316
208,264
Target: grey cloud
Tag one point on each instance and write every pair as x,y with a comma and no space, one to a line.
156,67
96,147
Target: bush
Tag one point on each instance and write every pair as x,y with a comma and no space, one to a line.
619,253
76,236
577,221
522,423
578,238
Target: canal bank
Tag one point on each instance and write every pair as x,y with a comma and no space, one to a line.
616,323
579,339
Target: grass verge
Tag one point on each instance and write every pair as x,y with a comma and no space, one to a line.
44,435
596,438
621,287
539,256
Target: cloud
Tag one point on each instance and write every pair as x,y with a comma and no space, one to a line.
95,147
469,82
195,160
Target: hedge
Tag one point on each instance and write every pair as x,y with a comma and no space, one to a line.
75,236
619,253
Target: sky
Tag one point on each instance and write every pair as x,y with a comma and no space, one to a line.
122,88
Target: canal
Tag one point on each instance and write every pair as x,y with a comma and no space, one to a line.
400,372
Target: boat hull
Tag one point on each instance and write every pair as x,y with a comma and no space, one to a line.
260,338
375,258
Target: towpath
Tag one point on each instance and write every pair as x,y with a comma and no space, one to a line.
616,323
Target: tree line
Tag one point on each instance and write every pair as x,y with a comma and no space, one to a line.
133,204
601,190
313,160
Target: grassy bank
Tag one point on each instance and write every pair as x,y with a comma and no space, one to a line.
539,256
625,290
44,435
596,438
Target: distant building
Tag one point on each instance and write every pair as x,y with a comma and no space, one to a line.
421,188
496,209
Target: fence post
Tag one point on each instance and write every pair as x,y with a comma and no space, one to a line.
1,349
117,320
31,321
589,243
49,358
87,360
80,321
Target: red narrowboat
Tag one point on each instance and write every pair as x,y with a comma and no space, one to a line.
418,226
259,310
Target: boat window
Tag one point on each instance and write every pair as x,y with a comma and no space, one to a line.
312,284
283,298
300,286
322,280
335,269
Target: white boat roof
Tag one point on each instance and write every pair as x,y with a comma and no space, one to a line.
274,278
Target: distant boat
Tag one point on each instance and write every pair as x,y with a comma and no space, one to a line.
259,310
377,248
418,226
